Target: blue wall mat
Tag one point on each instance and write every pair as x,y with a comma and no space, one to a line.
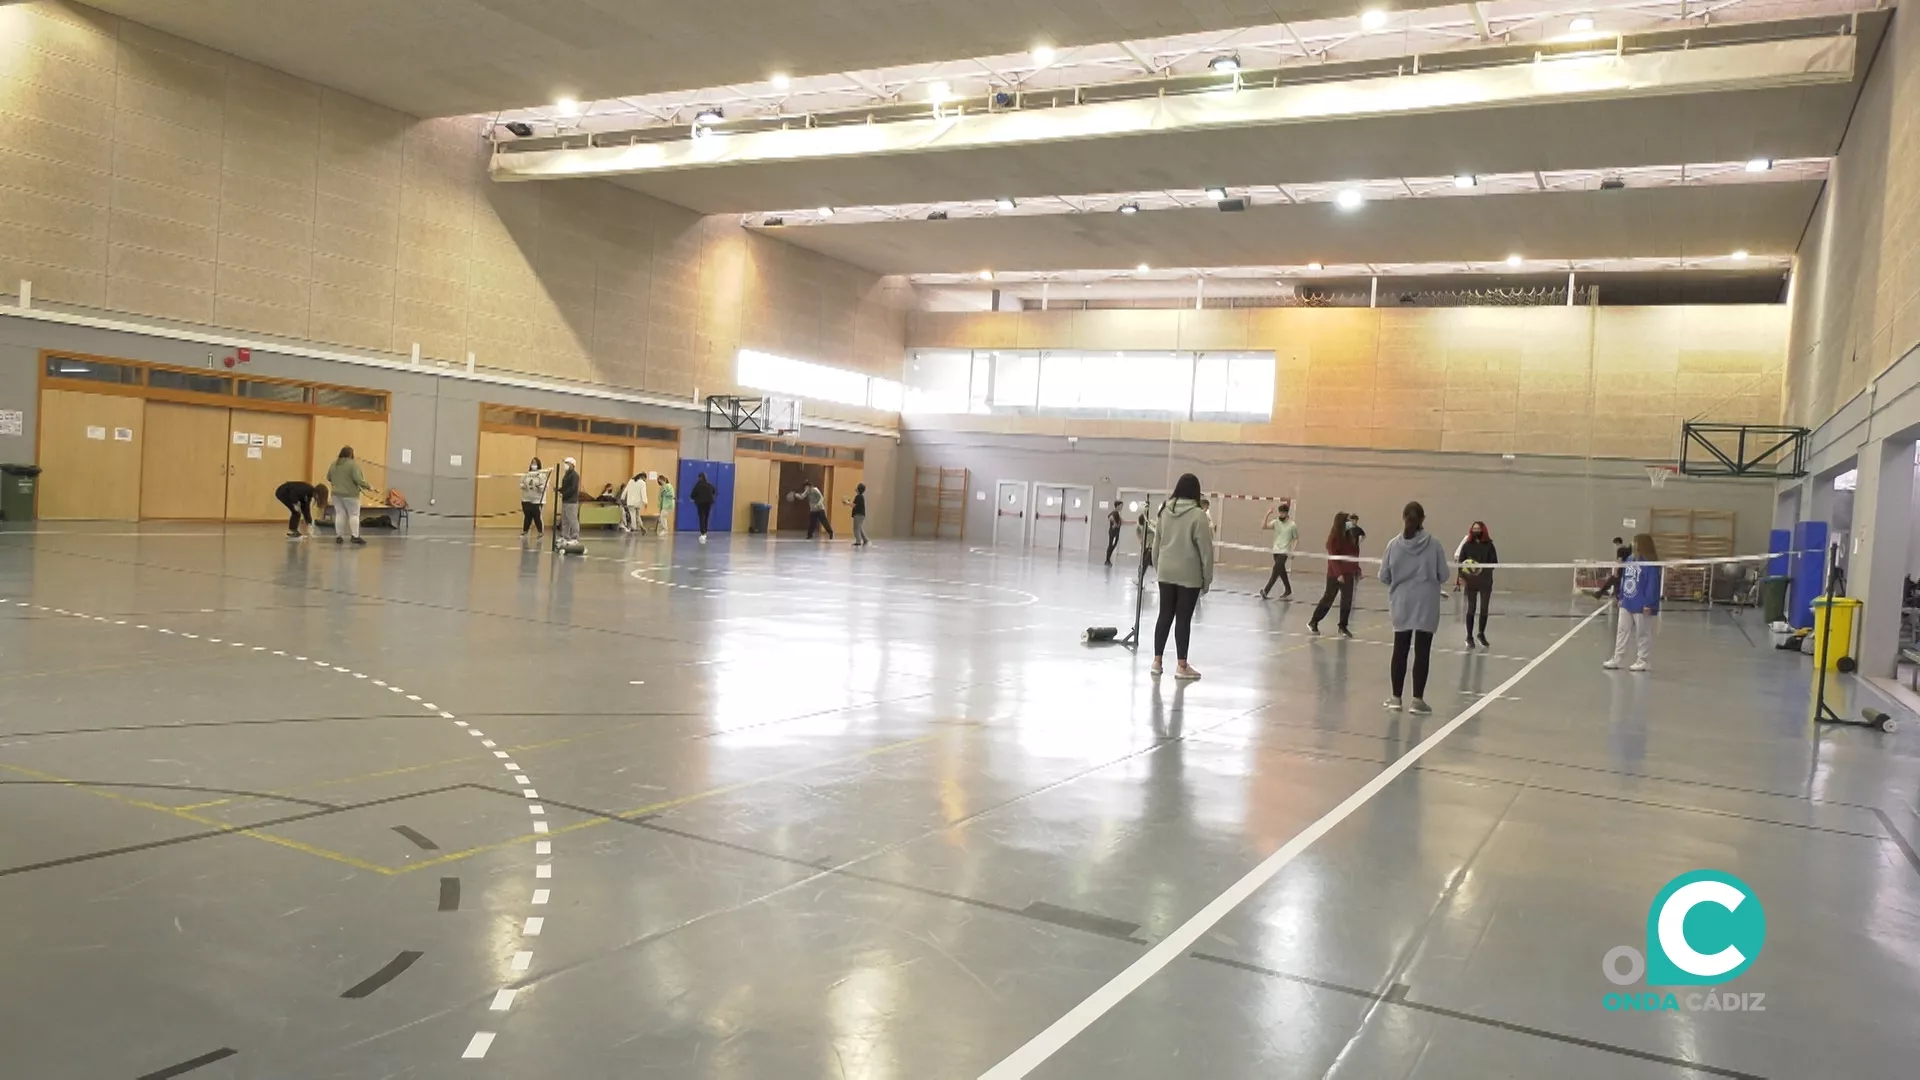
720,475
1809,571
1779,542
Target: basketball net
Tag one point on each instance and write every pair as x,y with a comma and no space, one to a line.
1657,475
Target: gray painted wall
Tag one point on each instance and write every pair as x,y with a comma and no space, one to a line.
433,415
1540,509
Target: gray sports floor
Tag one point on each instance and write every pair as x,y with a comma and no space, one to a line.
812,812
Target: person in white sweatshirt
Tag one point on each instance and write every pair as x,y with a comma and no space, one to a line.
633,503
1183,558
1286,537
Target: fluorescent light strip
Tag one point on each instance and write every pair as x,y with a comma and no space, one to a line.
1422,187
1264,48
1726,261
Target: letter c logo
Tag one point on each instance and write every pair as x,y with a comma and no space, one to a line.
1705,927
1673,931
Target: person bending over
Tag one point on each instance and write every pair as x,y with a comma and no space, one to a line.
1183,553
1413,568
298,497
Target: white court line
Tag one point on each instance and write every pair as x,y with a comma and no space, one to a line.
522,961
478,1047
1062,1031
503,1001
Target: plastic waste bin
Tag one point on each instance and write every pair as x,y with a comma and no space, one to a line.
1839,642
18,484
758,515
1773,599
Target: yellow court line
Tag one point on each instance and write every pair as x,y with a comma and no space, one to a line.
454,856
674,803
174,811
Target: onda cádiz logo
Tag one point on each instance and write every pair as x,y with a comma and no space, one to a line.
1705,928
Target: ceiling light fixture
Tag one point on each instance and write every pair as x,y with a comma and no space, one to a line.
1043,55
1129,207
780,80
1373,18
1216,193
986,275
519,128
1224,65
1740,256
1349,198
1005,202
712,114
1582,24
1612,183
1465,180
1315,266
1142,268
773,222
1514,260
826,211
567,106
937,215
1759,164
938,92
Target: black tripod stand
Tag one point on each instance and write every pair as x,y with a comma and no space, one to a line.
1824,713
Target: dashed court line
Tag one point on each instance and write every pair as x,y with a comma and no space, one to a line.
482,1041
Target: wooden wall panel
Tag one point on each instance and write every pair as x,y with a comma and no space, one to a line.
86,479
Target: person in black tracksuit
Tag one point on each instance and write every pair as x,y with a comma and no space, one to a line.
1113,531
1621,552
703,495
298,497
1477,587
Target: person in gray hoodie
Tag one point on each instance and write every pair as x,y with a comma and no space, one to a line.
1183,555
1414,569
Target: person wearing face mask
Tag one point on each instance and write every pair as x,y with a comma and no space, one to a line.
1477,584
1343,570
1286,537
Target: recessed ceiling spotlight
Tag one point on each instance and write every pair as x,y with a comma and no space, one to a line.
780,80
1349,198
1612,183
938,92
519,128
1514,260
712,114
1224,65
1373,18
1740,256
1216,193
826,211
1005,202
567,106
937,215
1129,207
1043,54
1314,266
986,275
1759,164
1464,180
1581,24
773,222
1142,268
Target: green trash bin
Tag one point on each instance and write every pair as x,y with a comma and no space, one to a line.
1773,599
758,516
17,486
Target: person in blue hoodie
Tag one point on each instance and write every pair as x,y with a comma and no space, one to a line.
1414,570
1639,594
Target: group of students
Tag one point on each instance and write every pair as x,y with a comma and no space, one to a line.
632,498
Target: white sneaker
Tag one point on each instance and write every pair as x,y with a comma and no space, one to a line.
703,538
1393,704
1611,665
1637,665
1185,674
1419,705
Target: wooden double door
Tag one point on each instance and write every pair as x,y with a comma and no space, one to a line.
200,463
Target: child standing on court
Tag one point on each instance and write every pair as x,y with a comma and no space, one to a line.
859,504
664,526
1286,537
1639,605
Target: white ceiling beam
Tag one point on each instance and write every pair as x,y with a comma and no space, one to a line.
1479,20
1145,64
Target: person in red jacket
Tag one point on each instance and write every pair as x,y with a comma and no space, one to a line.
1343,569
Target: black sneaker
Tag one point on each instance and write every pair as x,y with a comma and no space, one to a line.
339,540
357,542
1313,628
1344,632
1484,643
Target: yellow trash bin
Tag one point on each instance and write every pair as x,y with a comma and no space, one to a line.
1846,610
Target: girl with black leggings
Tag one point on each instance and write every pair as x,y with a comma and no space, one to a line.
1343,570
1183,554
1476,584
1413,568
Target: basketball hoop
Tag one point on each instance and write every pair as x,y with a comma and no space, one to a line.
1657,475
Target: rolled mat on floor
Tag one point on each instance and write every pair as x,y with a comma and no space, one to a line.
1097,634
